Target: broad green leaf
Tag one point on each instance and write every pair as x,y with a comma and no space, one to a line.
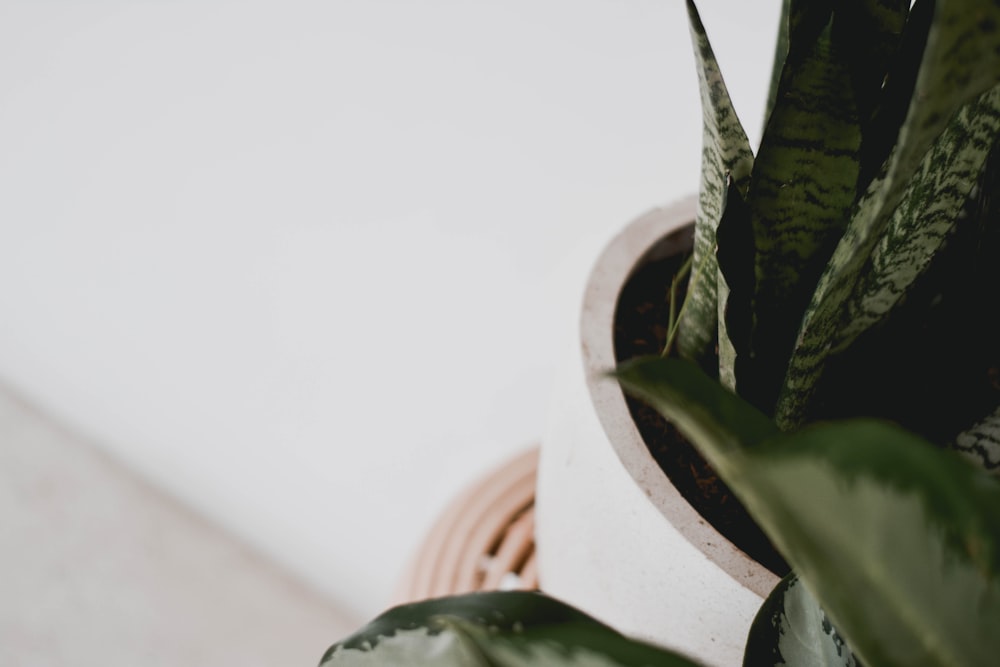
801,190
898,540
981,443
701,408
847,302
725,154
498,629
791,629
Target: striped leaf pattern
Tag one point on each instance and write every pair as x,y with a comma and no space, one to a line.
930,208
960,63
726,153
802,188
727,349
848,302
981,443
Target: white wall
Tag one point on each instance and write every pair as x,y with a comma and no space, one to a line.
295,261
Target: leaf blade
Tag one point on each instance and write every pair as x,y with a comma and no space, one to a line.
802,187
725,154
847,303
791,629
494,629
899,540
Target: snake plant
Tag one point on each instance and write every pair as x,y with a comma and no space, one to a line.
849,266
844,284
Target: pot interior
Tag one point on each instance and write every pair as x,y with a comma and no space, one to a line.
640,329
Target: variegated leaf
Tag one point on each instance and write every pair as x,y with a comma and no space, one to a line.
846,302
725,153
898,539
920,224
802,187
496,629
872,29
981,443
792,630
780,52
736,284
893,103
960,62
726,347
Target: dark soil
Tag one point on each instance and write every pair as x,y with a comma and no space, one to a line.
641,320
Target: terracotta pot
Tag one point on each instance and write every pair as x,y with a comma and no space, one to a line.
614,537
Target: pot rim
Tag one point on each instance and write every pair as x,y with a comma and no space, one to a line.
613,268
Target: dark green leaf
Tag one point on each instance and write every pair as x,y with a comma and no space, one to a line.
961,60
981,443
736,286
791,629
725,154
925,217
882,128
898,540
869,32
498,629
780,52
801,191
700,407
893,252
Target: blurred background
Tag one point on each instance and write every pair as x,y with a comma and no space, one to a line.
278,279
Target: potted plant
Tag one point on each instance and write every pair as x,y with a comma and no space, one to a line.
605,509
849,205
835,295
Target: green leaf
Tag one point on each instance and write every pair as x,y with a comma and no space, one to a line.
981,443
877,261
961,61
791,629
920,225
802,187
700,407
882,128
736,286
898,540
780,52
871,31
497,629
725,154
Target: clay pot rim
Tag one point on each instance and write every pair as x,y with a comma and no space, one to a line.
613,268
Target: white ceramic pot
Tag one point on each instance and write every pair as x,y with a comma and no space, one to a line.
614,537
